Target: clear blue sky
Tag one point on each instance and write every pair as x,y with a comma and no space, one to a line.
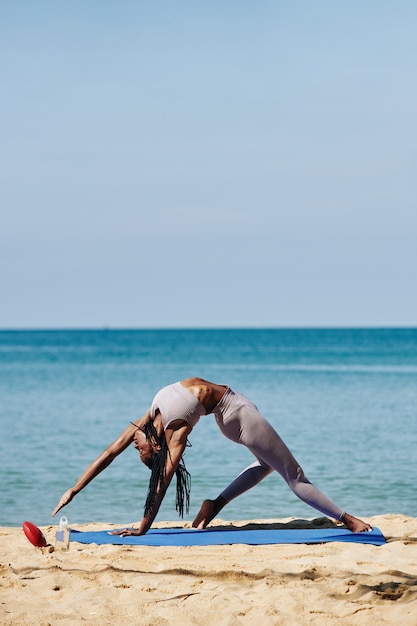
218,163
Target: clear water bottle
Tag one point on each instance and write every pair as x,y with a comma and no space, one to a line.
62,535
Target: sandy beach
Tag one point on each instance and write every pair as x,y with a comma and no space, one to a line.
215,585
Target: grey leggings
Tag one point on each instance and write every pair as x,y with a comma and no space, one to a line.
239,420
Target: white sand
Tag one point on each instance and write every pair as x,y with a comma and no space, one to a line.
343,583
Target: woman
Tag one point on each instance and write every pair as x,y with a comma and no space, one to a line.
160,437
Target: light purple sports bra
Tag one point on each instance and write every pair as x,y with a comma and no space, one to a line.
176,402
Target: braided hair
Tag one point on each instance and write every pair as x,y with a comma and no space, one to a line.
157,465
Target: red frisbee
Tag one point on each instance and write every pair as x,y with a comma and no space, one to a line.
34,534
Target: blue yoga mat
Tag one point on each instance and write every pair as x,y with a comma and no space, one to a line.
221,537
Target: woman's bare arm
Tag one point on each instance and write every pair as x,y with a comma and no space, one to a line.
103,461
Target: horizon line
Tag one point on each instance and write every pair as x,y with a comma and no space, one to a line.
226,327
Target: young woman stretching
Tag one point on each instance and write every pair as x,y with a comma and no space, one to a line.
160,437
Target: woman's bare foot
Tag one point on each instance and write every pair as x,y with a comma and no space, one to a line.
208,511
355,525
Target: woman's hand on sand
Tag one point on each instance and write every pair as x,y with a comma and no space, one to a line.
126,532
66,498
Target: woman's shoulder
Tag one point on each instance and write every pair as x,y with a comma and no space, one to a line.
192,382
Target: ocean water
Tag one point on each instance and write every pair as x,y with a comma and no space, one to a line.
344,400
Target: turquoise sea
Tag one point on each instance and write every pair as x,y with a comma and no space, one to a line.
344,400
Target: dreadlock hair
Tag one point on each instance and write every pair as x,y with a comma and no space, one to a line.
157,465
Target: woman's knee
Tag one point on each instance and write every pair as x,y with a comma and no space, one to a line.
295,477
